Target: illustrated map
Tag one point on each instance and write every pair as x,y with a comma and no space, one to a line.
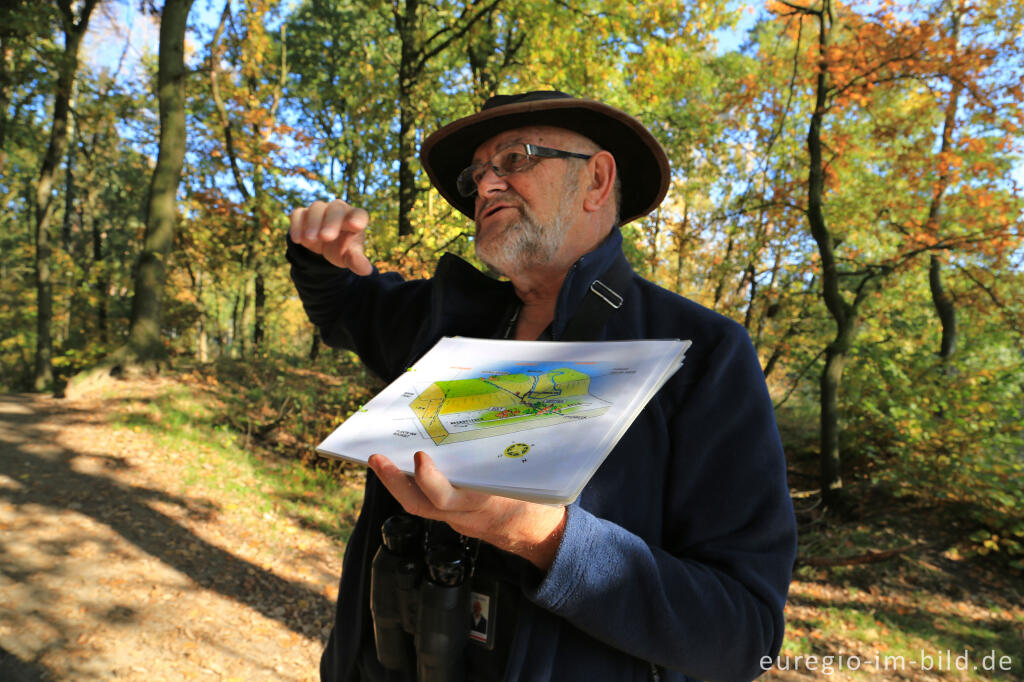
477,407
465,409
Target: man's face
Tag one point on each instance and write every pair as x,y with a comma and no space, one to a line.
523,219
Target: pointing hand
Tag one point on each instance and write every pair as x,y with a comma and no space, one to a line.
335,230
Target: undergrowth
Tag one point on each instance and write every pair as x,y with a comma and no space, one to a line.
252,427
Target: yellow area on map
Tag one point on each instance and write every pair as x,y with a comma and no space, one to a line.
503,403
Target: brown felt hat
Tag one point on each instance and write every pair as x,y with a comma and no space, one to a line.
641,162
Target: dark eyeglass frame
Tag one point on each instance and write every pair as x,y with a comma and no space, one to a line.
471,176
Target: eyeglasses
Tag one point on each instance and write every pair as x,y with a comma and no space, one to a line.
513,159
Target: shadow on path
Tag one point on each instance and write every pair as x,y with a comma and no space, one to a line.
41,472
16,670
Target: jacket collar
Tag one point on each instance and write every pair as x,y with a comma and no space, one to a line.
581,275
470,303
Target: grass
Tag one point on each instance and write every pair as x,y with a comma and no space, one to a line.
218,414
902,625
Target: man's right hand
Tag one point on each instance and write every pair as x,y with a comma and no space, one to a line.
335,230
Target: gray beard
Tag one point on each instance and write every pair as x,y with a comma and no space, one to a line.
526,243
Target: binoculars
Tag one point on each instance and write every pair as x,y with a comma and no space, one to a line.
419,598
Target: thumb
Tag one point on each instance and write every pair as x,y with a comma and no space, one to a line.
359,263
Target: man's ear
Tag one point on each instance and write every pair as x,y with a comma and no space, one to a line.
601,175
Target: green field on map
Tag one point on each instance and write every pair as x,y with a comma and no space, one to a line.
461,409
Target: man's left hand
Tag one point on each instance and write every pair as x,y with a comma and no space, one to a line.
532,531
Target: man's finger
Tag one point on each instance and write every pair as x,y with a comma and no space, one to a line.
353,237
358,262
296,232
314,220
335,215
357,219
439,490
433,483
342,233
401,487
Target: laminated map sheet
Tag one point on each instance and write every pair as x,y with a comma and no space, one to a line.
525,419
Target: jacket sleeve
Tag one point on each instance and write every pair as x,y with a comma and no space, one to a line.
706,598
376,316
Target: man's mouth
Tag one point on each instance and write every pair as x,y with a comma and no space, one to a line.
491,210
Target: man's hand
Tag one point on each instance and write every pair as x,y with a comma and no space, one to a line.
533,531
335,230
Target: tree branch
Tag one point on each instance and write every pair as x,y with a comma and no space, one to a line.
796,382
430,54
869,557
218,101
801,9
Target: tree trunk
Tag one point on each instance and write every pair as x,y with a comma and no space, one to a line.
203,341
73,32
69,192
244,316
652,260
720,286
161,209
102,283
681,234
259,312
235,327
407,27
314,347
830,475
836,354
943,302
944,307
830,463
4,100
748,317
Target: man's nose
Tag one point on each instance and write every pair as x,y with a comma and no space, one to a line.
490,182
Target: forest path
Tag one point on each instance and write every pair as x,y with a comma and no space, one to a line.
112,567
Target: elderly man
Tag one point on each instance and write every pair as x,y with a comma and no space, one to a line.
675,561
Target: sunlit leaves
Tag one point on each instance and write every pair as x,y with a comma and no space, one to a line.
311,97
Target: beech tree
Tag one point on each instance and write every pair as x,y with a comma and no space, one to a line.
145,340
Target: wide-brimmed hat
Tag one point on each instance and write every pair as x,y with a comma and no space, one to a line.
641,161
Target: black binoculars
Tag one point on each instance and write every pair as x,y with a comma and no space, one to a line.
419,598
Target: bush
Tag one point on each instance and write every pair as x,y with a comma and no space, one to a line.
949,433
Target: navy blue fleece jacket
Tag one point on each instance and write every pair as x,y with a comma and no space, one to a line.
677,555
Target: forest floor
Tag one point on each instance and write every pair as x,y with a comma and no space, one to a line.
141,539
892,593
128,555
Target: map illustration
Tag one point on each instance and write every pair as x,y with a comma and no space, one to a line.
478,407
492,405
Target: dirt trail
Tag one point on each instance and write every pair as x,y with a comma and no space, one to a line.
108,571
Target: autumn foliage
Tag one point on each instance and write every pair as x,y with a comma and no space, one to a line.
846,186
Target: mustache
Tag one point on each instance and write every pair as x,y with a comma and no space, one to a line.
509,198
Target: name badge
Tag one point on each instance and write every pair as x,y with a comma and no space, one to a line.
483,606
